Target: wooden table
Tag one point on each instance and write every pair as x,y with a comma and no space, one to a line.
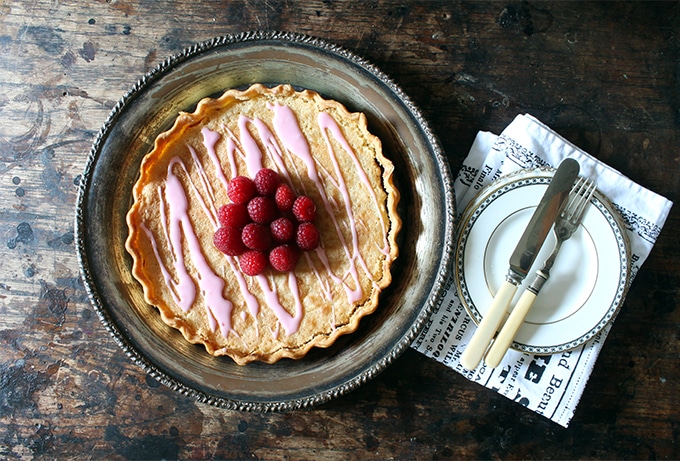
605,75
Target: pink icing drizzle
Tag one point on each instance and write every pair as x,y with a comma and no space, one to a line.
211,286
179,293
327,123
287,129
291,323
210,139
251,301
231,151
250,147
210,212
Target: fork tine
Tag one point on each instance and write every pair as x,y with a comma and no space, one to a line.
581,193
573,198
586,193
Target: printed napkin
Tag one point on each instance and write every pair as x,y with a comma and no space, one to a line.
549,385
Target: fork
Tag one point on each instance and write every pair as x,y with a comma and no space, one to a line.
566,224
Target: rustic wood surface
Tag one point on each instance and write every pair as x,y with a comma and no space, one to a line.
605,75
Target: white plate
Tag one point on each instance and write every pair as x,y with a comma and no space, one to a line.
587,283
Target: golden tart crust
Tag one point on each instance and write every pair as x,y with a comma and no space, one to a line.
322,151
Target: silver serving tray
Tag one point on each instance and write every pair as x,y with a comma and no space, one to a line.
150,107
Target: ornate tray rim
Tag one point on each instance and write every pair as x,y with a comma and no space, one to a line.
81,235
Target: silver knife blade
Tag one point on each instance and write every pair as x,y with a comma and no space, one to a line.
521,260
542,220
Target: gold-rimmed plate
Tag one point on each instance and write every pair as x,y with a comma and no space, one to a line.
588,281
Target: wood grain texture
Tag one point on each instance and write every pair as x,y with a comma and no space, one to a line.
605,75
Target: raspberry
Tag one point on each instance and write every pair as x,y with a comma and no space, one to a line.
253,223
256,237
284,197
304,209
266,181
253,262
233,215
283,258
228,241
241,189
307,237
262,210
283,229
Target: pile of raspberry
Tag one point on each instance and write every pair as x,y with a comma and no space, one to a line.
266,223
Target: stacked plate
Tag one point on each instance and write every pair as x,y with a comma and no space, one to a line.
587,283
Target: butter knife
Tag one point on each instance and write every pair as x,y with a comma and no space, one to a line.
521,260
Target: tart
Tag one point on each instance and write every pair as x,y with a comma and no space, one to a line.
320,151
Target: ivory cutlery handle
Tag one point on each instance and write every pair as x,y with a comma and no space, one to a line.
487,328
507,334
